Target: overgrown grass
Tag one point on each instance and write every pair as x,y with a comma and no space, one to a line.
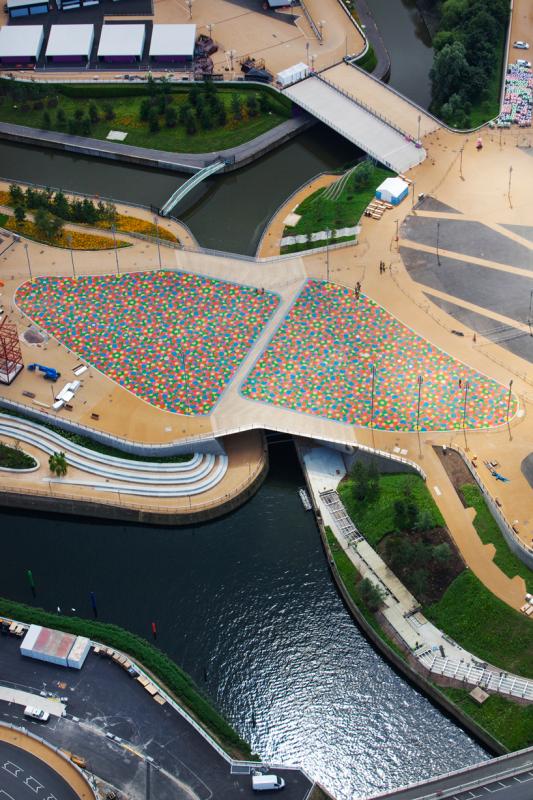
375,518
510,723
92,444
485,625
297,248
13,458
3,219
350,578
179,683
127,107
489,533
369,61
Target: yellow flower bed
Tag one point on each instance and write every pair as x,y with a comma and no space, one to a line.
4,199
135,225
79,240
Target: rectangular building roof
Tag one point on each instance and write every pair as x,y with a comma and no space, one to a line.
70,40
173,40
22,3
122,40
47,642
17,41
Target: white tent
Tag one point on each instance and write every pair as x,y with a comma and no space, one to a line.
292,74
121,42
170,42
392,190
70,42
20,43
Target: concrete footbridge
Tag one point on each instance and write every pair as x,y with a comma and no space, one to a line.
368,113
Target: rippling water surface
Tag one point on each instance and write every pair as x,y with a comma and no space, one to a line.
246,605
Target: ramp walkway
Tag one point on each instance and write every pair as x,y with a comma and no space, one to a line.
338,109
186,187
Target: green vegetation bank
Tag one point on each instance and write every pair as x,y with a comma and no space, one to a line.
15,458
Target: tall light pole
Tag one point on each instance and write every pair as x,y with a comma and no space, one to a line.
28,259
307,52
321,24
69,242
419,121
413,197
313,59
115,243
461,162
189,6
509,399
210,27
529,320
509,188
157,239
438,236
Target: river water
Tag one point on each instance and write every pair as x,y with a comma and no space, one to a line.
247,606
246,603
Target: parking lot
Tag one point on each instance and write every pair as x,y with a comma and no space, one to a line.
141,748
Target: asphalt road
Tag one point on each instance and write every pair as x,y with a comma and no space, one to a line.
128,740
23,776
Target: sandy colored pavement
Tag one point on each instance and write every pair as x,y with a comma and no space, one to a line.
521,29
59,764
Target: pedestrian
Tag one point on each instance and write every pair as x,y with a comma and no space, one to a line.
474,338
460,383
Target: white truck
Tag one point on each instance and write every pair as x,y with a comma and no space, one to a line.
36,713
267,783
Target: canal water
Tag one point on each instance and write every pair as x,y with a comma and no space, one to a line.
408,41
247,606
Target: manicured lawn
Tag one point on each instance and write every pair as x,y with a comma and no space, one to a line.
489,533
485,625
127,119
508,722
319,213
375,518
13,458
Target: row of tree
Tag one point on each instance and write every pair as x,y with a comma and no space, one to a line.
59,205
467,48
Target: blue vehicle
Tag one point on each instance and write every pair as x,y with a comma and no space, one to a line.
50,374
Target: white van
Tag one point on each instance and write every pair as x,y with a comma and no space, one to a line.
36,713
267,783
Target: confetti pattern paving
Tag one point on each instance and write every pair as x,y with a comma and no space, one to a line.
320,362
171,338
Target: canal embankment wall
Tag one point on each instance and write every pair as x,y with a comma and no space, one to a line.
415,676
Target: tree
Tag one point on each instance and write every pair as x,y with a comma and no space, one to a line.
221,115
371,594
85,126
153,121
144,110
454,112
365,481
449,73
57,464
205,117
73,126
442,553
264,102
190,124
363,175
48,225
194,95
252,105
171,117
20,214
418,582
61,118
405,513
184,113
398,551
78,114
46,120
61,206
93,112
16,195
424,520
236,106
109,111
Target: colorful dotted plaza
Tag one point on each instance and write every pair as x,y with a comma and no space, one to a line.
171,338
333,346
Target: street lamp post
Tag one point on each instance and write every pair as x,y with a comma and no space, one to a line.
509,188
419,121
321,29
461,161
156,223
438,235
69,242
28,259
307,52
529,320
509,399
115,244
189,6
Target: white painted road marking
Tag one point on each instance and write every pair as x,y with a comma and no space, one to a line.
437,491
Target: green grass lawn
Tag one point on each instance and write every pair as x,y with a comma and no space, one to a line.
375,518
319,214
3,219
489,533
126,119
485,625
508,722
13,458
369,61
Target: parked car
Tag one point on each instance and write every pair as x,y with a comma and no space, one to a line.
36,713
267,783
521,45
523,63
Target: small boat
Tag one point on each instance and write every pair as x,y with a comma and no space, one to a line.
304,497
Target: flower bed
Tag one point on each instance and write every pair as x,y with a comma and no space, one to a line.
135,225
75,240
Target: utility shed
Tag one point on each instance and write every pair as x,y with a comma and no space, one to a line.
79,652
70,43
392,190
26,8
21,44
173,42
122,44
46,644
292,74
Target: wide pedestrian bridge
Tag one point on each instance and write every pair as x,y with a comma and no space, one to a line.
368,113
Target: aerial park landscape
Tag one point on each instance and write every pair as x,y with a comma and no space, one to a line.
265,399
